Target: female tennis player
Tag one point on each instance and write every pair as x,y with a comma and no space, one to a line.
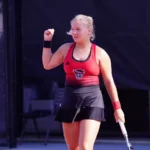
82,109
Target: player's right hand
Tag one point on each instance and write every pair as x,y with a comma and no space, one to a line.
48,34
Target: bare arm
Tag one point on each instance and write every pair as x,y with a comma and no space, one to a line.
106,70
50,60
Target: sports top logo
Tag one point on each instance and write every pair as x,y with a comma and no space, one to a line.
78,73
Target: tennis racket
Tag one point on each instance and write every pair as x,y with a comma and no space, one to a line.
125,134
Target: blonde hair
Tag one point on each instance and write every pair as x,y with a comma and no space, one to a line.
88,21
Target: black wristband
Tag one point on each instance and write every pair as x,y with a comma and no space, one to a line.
47,44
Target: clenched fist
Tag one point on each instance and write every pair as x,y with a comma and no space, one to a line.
48,34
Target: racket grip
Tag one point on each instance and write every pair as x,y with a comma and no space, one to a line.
123,128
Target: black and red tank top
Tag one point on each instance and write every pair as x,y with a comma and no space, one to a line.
81,73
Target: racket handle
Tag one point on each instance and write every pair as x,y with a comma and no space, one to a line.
123,128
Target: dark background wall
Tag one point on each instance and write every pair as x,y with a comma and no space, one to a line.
2,76
121,29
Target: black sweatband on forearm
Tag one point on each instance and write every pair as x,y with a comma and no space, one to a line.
47,44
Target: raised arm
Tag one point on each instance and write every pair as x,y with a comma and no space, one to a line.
50,60
106,70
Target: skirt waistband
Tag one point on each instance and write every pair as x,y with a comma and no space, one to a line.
85,89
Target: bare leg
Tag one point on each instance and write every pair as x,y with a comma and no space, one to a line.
71,135
88,133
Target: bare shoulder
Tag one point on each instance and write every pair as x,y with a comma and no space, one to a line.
101,54
65,47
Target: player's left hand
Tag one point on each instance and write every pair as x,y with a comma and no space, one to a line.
119,115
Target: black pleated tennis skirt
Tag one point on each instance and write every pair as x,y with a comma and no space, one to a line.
81,103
